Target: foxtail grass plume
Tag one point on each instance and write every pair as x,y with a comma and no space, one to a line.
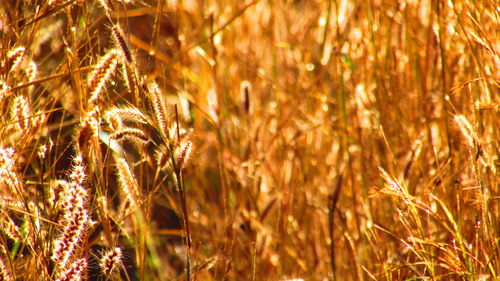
4,91
56,190
159,108
15,58
161,156
127,181
137,136
183,153
21,111
9,178
102,71
10,228
31,71
76,217
75,272
110,261
126,114
122,43
105,6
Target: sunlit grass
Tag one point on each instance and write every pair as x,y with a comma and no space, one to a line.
249,140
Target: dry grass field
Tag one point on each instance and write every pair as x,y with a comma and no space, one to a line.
249,140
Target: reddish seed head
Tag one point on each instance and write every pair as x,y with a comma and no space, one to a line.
110,261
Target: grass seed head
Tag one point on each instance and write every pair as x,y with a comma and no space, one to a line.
10,228
21,111
5,91
9,178
125,113
127,181
110,261
75,272
102,71
159,107
183,153
15,58
134,135
122,43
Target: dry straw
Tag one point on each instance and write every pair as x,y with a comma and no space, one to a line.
53,3
467,130
4,274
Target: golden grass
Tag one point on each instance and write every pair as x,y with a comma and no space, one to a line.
249,140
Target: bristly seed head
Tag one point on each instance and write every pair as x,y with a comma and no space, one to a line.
125,113
159,108
9,177
131,134
10,228
31,71
127,181
21,112
103,70
15,57
110,261
122,43
74,272
183,153
75,219
161,156
5,91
